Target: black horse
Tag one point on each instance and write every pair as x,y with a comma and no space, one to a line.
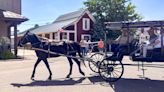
66,48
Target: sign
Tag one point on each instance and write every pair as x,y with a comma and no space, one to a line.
61,30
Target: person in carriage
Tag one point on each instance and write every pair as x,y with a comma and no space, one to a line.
121,44
152,44
158,44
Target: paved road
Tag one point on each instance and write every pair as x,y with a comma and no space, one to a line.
15,77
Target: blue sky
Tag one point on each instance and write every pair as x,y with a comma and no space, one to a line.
45,11
150,9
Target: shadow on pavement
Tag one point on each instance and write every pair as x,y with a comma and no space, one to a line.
63,82
60,82
123,85
138,85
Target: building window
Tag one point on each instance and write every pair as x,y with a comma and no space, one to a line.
40,35
86,37
72,36
55,36
64,36
47,36
86,24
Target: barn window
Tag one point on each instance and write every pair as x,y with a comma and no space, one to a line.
40,35
64,36
86,24
55,36
47,36
86,37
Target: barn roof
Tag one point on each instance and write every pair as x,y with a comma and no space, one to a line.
72,15
62,21
54,27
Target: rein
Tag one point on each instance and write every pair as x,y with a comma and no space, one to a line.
46,51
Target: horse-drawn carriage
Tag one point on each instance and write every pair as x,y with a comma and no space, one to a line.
110,69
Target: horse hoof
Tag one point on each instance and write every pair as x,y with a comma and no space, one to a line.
32,78
82,73
49,78
68,76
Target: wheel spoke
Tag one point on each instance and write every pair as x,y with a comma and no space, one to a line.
117,71
111,70
102,58
97,57
93,66
115,74
93,63
118,68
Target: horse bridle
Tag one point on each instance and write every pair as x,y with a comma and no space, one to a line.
25,37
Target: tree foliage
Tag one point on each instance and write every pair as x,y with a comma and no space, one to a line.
110,11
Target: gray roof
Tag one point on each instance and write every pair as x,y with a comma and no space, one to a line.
22,33
54,27
61,22
71,15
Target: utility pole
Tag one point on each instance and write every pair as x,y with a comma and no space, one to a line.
105,43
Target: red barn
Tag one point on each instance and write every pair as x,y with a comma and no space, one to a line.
73,26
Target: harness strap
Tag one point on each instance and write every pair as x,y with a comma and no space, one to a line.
49,45
70,49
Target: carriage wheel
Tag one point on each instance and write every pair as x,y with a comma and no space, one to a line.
96,59
111,71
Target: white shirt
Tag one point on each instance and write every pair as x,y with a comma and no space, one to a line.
143,38
158,45
83,43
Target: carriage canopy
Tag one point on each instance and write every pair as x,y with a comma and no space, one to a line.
137,24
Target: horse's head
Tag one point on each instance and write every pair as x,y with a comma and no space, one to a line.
29,37
24,39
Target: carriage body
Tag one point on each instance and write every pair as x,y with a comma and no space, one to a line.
108,65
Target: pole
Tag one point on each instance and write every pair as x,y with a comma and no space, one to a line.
105,44
162,44
15,40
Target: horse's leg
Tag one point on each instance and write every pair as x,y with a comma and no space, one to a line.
48,67
70,71
79,66
36,64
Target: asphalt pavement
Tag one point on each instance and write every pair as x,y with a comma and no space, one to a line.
15,77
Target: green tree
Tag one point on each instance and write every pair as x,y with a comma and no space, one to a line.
110,11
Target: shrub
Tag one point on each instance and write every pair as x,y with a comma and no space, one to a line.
7,55
5,52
